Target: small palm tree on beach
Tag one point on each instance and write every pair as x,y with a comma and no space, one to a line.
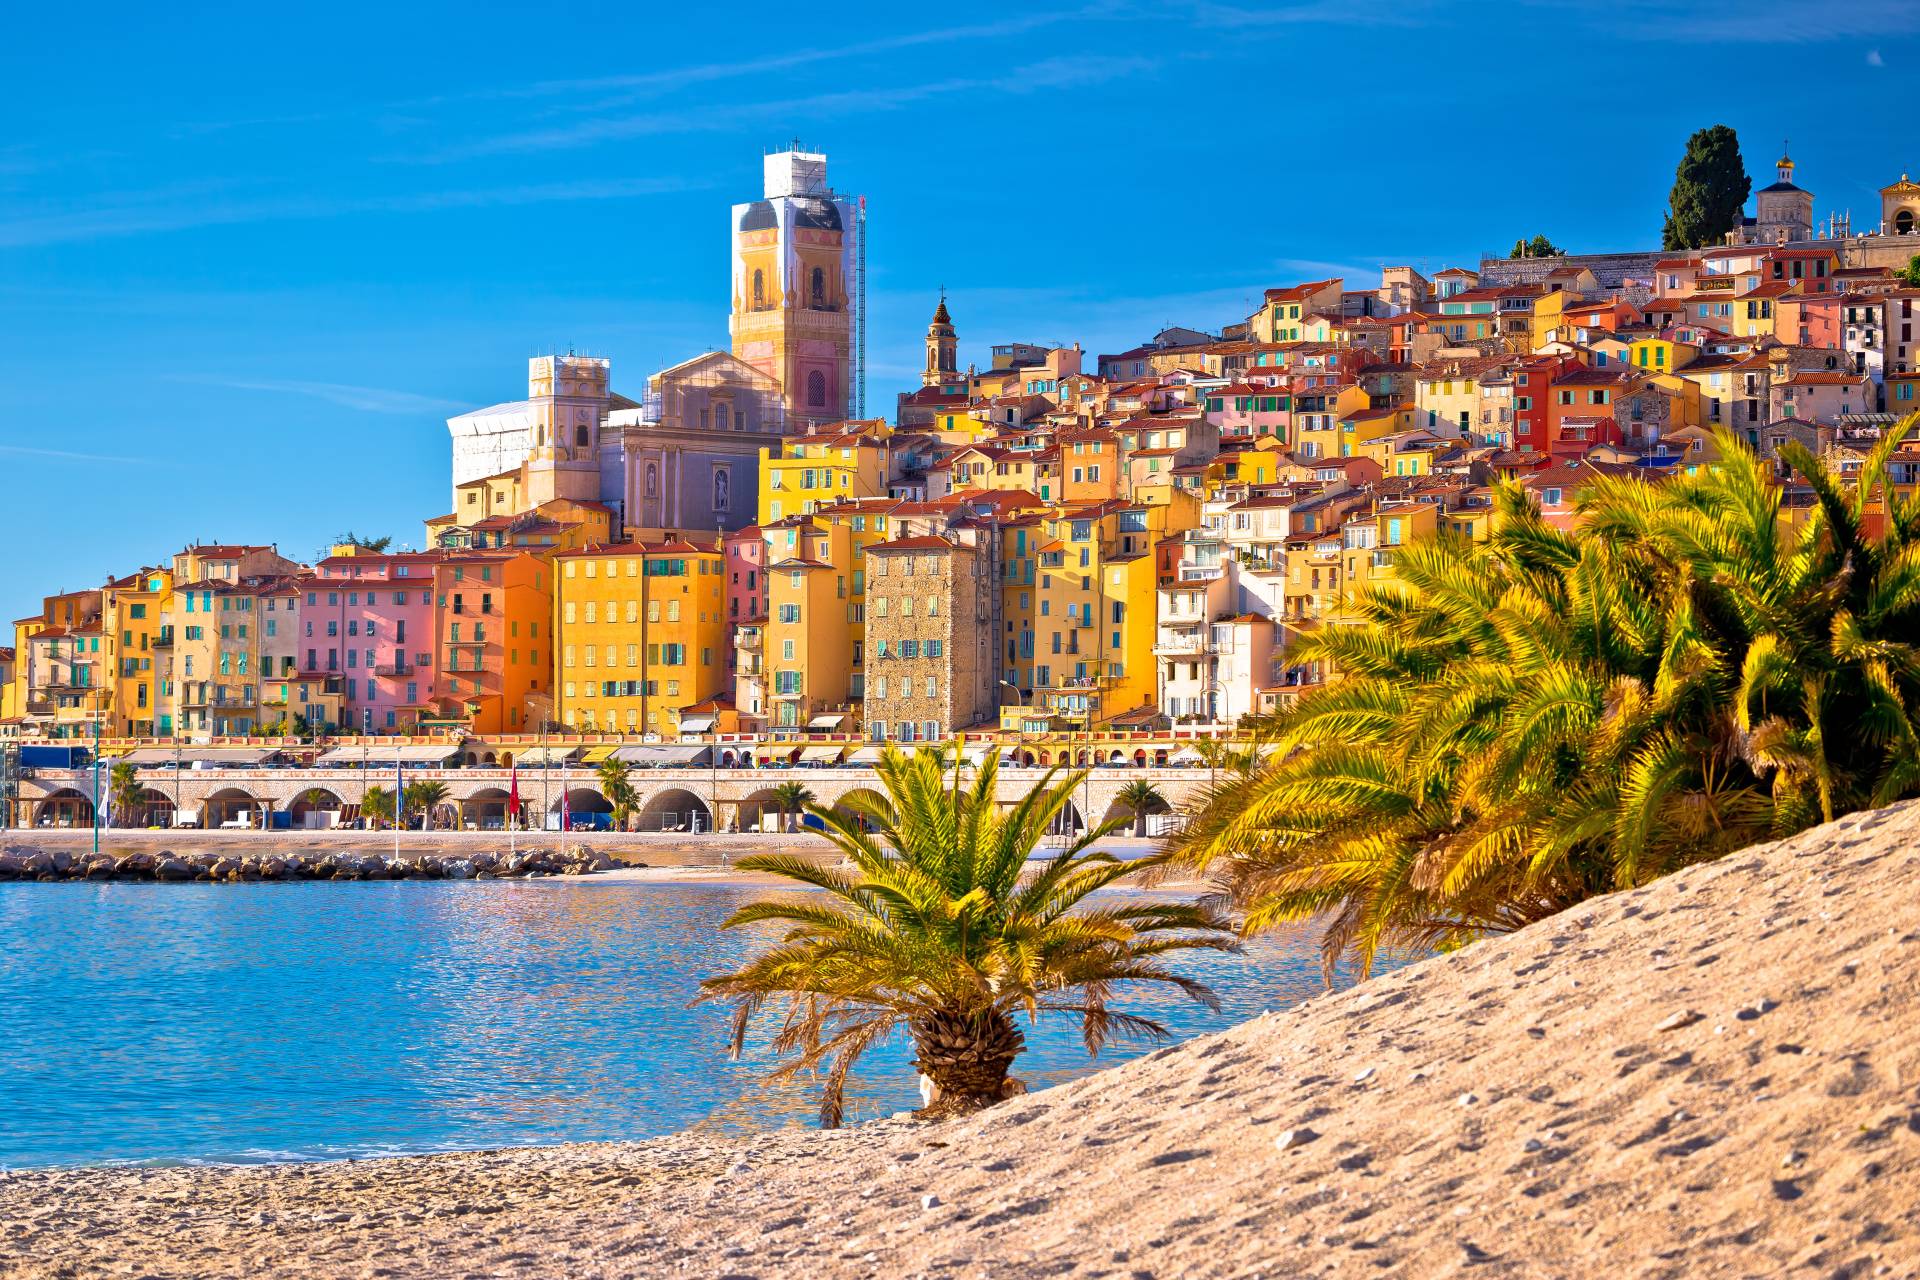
789,799
616,784
941,927
1143,798
124,791
425,795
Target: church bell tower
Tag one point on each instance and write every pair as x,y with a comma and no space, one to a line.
943,348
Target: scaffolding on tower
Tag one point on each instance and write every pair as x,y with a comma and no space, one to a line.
860,315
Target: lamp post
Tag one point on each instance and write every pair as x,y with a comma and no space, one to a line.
98,714
1213,759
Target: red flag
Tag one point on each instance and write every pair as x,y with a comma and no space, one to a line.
513,792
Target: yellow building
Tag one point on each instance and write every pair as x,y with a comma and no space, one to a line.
1091,611
133,625
814,470
642,634
809,653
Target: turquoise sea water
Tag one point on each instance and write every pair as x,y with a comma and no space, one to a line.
256,1022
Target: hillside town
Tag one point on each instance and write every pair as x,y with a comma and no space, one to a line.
1044,542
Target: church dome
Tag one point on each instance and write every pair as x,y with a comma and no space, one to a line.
759,217
808,211
817,214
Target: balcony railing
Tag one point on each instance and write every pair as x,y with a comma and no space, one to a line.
394,669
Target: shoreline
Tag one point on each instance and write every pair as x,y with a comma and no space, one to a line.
1711,1075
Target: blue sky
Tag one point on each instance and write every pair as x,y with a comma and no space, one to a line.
251,259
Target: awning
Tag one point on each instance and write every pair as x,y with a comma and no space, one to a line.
594,755
698,724
831,720
546,757
237,756
1186,755
821,755
664,757
976,754
374,754
867,755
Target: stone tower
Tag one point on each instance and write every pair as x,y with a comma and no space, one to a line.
1783,212
566,401
795,256
943,348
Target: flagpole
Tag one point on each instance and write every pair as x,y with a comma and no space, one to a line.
399,803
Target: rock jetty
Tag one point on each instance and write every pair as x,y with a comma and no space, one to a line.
1716,1075
166,866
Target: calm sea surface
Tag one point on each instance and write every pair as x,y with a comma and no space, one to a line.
254,1022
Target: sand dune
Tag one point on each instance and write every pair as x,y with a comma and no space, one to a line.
1717,1075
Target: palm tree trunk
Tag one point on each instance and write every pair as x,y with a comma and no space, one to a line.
966,1056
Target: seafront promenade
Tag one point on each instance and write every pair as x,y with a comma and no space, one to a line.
671,801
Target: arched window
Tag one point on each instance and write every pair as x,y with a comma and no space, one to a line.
759,290
819,289
653,480
1903,222
580,435
817,390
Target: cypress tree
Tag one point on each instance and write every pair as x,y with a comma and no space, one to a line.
1709,189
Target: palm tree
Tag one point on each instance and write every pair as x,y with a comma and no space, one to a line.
1143,798
424,796
1528,721
616,784
377,804
939,928
124,792
789,798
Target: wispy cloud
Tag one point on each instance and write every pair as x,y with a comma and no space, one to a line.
1759,22
365,399
132,216
601,93
1874,59
1339,13
69,455
1052,73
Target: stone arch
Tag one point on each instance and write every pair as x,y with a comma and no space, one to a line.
1904,222
1140,758
1068,822
1046,759
1115,756
485,809
231,804
506,760
487,759
1026,757
758,812
675,809
66,807
584,806
312,806
151,808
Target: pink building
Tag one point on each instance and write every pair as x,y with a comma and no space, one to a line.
368,619
746,552
1255,407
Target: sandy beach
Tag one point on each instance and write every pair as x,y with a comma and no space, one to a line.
1716,1075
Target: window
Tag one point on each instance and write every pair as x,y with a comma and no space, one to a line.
816,390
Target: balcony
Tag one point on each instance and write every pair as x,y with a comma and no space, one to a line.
1185,647
163,639
395,669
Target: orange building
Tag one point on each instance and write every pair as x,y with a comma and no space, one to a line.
494,635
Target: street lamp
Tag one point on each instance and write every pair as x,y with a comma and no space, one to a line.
1220,715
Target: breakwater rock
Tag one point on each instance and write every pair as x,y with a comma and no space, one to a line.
235,867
